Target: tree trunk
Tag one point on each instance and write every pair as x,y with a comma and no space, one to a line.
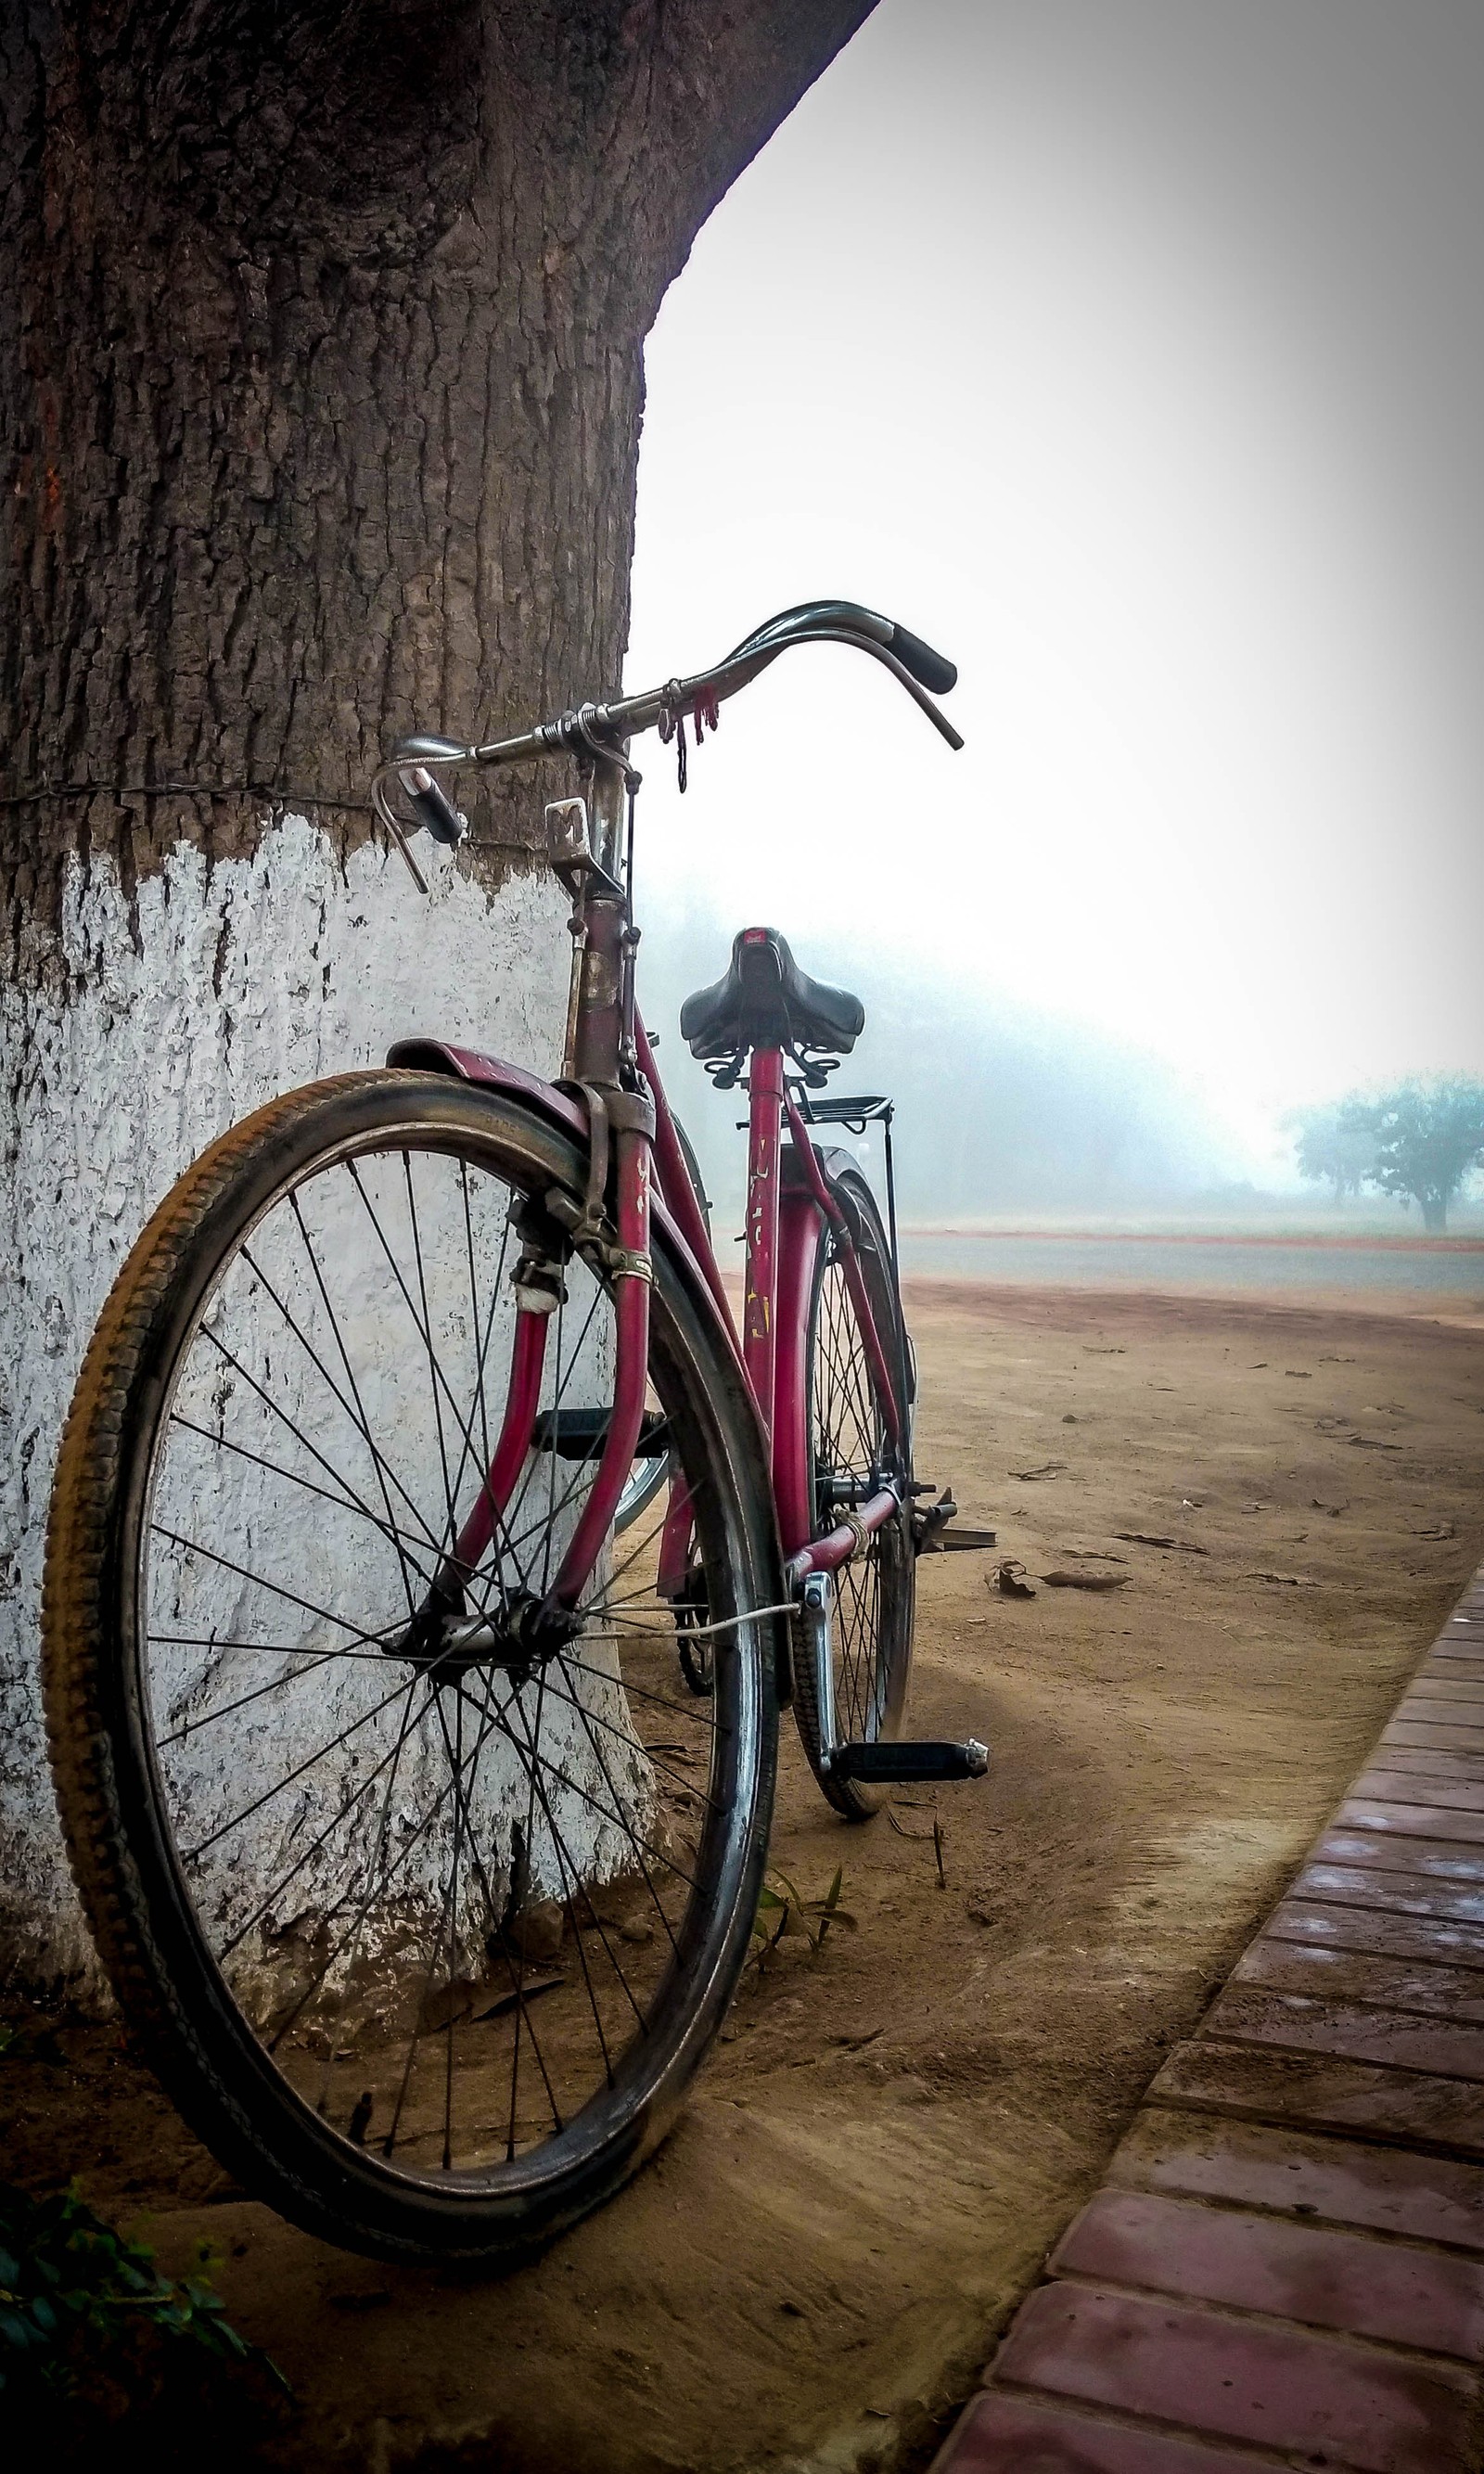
321,378
1434,1213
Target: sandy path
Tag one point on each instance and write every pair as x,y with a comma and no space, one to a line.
888,2138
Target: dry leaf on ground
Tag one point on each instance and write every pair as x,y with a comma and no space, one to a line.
1087,1580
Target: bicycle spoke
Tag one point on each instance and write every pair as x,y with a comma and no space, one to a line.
575,1787
301,1860
347,1939
193,1726
457,1757
361,1420
571,1881
426,1327
685,1709
194,1546
315,1359
404,1730
631,1744
440,1379
520,1987
193,1855
346,1502
485,1454
262,1648
598,1755
495,1939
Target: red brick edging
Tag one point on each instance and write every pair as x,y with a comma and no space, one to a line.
1285,2264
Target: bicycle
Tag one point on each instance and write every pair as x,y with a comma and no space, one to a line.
421,1816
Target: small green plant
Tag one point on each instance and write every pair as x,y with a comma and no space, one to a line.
87,2320
782,1911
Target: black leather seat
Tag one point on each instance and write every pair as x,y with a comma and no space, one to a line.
765,1001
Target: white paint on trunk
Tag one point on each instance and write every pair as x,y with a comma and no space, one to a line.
229,983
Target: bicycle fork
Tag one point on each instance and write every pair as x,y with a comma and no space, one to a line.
600,1064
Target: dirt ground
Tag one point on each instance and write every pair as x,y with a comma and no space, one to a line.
888,2136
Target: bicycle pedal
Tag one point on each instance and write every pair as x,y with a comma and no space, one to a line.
579,1434
908,1764
960,1541
932,1534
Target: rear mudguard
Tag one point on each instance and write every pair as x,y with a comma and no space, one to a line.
560,1110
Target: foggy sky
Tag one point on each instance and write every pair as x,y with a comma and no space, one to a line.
1133,350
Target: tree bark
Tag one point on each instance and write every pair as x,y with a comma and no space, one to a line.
320,379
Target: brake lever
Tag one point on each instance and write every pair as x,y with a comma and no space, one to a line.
393,823
434,809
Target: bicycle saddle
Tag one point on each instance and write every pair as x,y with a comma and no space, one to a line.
765,1001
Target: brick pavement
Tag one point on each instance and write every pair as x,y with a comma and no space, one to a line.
1285,2264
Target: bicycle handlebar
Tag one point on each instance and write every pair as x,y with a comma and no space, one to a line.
602,730
931,670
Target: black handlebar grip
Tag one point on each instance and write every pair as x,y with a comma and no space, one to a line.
433,808
928,668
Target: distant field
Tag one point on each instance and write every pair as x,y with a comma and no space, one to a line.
1435,1269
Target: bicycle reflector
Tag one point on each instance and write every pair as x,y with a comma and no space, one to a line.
566,833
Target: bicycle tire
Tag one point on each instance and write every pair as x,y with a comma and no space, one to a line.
874,1593
194,2007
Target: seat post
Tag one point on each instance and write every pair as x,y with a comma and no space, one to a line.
760,1313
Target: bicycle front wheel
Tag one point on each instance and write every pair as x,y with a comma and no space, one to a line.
848,1457
425,1934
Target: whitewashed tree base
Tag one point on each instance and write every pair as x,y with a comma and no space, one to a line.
161,1022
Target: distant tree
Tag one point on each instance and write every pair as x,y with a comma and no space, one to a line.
1426,1139
1330,1150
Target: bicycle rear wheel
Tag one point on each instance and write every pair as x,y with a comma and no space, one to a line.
426,1936
849,1456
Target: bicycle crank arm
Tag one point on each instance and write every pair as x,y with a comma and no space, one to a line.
889,1764
908,1764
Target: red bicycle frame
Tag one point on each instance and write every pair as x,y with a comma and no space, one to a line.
790,1218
